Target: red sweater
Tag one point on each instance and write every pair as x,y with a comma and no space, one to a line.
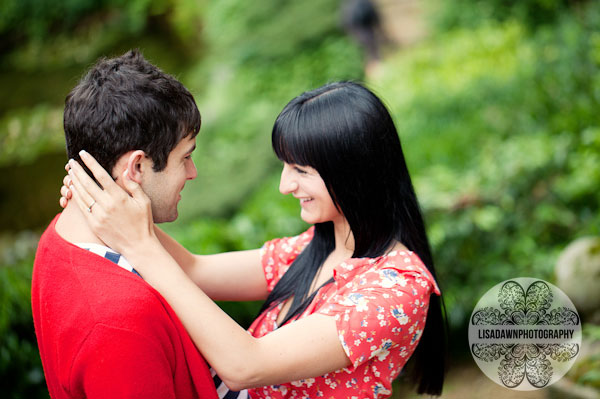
105,333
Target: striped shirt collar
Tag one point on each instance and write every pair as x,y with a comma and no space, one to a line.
109,254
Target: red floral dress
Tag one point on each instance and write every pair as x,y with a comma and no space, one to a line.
380,307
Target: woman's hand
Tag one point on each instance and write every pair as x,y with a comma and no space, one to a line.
122,219
65,193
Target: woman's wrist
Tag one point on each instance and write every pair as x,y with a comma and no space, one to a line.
144,251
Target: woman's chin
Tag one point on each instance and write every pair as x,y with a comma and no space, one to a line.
308,218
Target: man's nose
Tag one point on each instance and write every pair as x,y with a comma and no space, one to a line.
192,172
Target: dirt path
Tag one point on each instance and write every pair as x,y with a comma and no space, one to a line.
466,381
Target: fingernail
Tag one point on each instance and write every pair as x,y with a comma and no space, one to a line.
126,172
83,154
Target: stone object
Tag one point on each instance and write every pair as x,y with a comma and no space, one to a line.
578,275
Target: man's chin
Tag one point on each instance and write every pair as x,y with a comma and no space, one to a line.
166,218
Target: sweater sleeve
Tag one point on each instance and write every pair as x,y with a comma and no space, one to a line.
117,363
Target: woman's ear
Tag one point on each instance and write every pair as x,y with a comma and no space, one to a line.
137,163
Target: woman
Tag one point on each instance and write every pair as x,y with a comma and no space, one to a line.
349,301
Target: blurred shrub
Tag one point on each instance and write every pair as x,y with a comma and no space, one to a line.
449,15
20,365
586,370
500,129
22,20
26,135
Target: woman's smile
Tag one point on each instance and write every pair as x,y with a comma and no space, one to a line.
304,201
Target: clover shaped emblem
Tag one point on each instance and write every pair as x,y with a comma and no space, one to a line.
531,308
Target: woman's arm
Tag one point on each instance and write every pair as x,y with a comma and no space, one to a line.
307,348
230,276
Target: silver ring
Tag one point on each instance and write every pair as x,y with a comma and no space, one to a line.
90,207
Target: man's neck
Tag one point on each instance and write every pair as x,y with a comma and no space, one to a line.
73,227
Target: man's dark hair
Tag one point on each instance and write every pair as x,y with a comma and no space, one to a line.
124,104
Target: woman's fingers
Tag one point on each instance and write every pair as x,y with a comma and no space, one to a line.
64,190
76,172
65,196
134,189
67,180
117,218
99,173
65,193
80,195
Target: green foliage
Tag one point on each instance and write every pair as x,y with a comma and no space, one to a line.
38,16
20,366
450,15
275,30
26,135
500,129
35,19
587,369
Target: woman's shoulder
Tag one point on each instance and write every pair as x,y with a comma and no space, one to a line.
287,247
277,255
407,264
398,266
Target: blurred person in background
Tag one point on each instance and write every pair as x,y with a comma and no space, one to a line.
361,21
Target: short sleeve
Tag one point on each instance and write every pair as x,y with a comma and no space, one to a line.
277,255
381,310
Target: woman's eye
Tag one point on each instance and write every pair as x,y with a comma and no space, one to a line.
300,170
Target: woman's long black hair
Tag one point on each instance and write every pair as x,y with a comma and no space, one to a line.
346,133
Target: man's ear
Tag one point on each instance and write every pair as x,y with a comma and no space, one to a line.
137,163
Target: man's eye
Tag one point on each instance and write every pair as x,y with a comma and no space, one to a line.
300,170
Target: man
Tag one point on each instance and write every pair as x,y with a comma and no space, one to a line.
102,331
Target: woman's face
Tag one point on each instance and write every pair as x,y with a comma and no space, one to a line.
305,183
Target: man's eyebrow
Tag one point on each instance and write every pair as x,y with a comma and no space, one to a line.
191,149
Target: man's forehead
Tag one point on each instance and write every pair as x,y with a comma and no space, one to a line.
187,144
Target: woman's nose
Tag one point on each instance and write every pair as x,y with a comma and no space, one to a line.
287,183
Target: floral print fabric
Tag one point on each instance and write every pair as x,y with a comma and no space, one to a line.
380,307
